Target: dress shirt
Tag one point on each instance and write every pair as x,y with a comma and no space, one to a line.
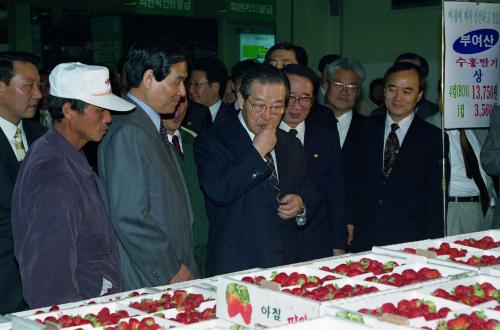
152,113
214,109
343,124
252,136
179,136
404,125
9,130
301,130
460,184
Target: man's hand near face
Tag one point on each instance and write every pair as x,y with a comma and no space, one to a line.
265,140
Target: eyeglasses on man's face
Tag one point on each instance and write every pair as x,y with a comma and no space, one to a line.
260,108
304,101
338,86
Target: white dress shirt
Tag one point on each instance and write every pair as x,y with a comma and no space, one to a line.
214,108
460,184
9,130
301,130
178,134
404,125
343,124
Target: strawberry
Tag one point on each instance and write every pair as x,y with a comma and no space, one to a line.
246,312
458,323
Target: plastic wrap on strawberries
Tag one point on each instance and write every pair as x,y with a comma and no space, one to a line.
96,300
186,298
204,312
362,263
481,291
97,315
409,308
415,275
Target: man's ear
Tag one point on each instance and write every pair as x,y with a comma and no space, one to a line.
420,96
68,112
241,100
3,88
215,87
148,78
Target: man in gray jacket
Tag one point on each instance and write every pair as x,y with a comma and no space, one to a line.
148,198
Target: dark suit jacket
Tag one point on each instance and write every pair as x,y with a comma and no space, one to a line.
197,118
148,201
10,283
225,112
327,230
244,228
407,205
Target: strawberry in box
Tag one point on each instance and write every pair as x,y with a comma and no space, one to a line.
180,299
147,323
332,291
484,243
294,278
103,318
407,277
479,261
476,320
443,249
410,309
363,266
471,295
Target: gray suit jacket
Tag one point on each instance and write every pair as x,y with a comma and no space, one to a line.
490,157
148,200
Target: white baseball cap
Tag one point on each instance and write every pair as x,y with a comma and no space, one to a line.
88,83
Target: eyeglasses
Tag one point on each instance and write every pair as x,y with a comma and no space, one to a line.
304,101
351,88
197,84
260,108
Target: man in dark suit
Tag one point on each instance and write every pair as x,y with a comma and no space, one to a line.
397,195
343,86
19,97
207,83
326,234
197,118
148,198
253,176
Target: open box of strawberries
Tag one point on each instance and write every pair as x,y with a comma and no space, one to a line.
471,295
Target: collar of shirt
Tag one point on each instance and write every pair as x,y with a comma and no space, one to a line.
404,125
9,130
77,157
301,130
152,113
343,124
236,105
214,109
178,134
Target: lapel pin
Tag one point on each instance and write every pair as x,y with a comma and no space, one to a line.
315,156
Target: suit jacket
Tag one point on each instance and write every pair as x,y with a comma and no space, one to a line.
225,112
148,200
10,284
197,118
490,157
407,205
244,228
200,225
327,230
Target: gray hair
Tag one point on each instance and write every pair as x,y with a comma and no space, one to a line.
345,63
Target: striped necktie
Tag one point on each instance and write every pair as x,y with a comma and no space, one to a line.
273,178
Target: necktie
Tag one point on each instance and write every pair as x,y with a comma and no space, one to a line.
391,149
177,145
18,139
472,169
273,178
293,132
164,136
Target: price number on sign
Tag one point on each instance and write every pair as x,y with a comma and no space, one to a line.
484,92
483,110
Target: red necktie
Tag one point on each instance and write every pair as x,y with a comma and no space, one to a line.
177,145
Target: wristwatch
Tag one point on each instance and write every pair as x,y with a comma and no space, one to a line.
301,217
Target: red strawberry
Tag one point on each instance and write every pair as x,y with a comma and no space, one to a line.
246,312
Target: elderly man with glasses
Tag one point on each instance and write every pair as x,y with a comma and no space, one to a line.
254,178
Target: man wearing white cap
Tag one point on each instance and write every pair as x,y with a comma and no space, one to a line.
63,239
